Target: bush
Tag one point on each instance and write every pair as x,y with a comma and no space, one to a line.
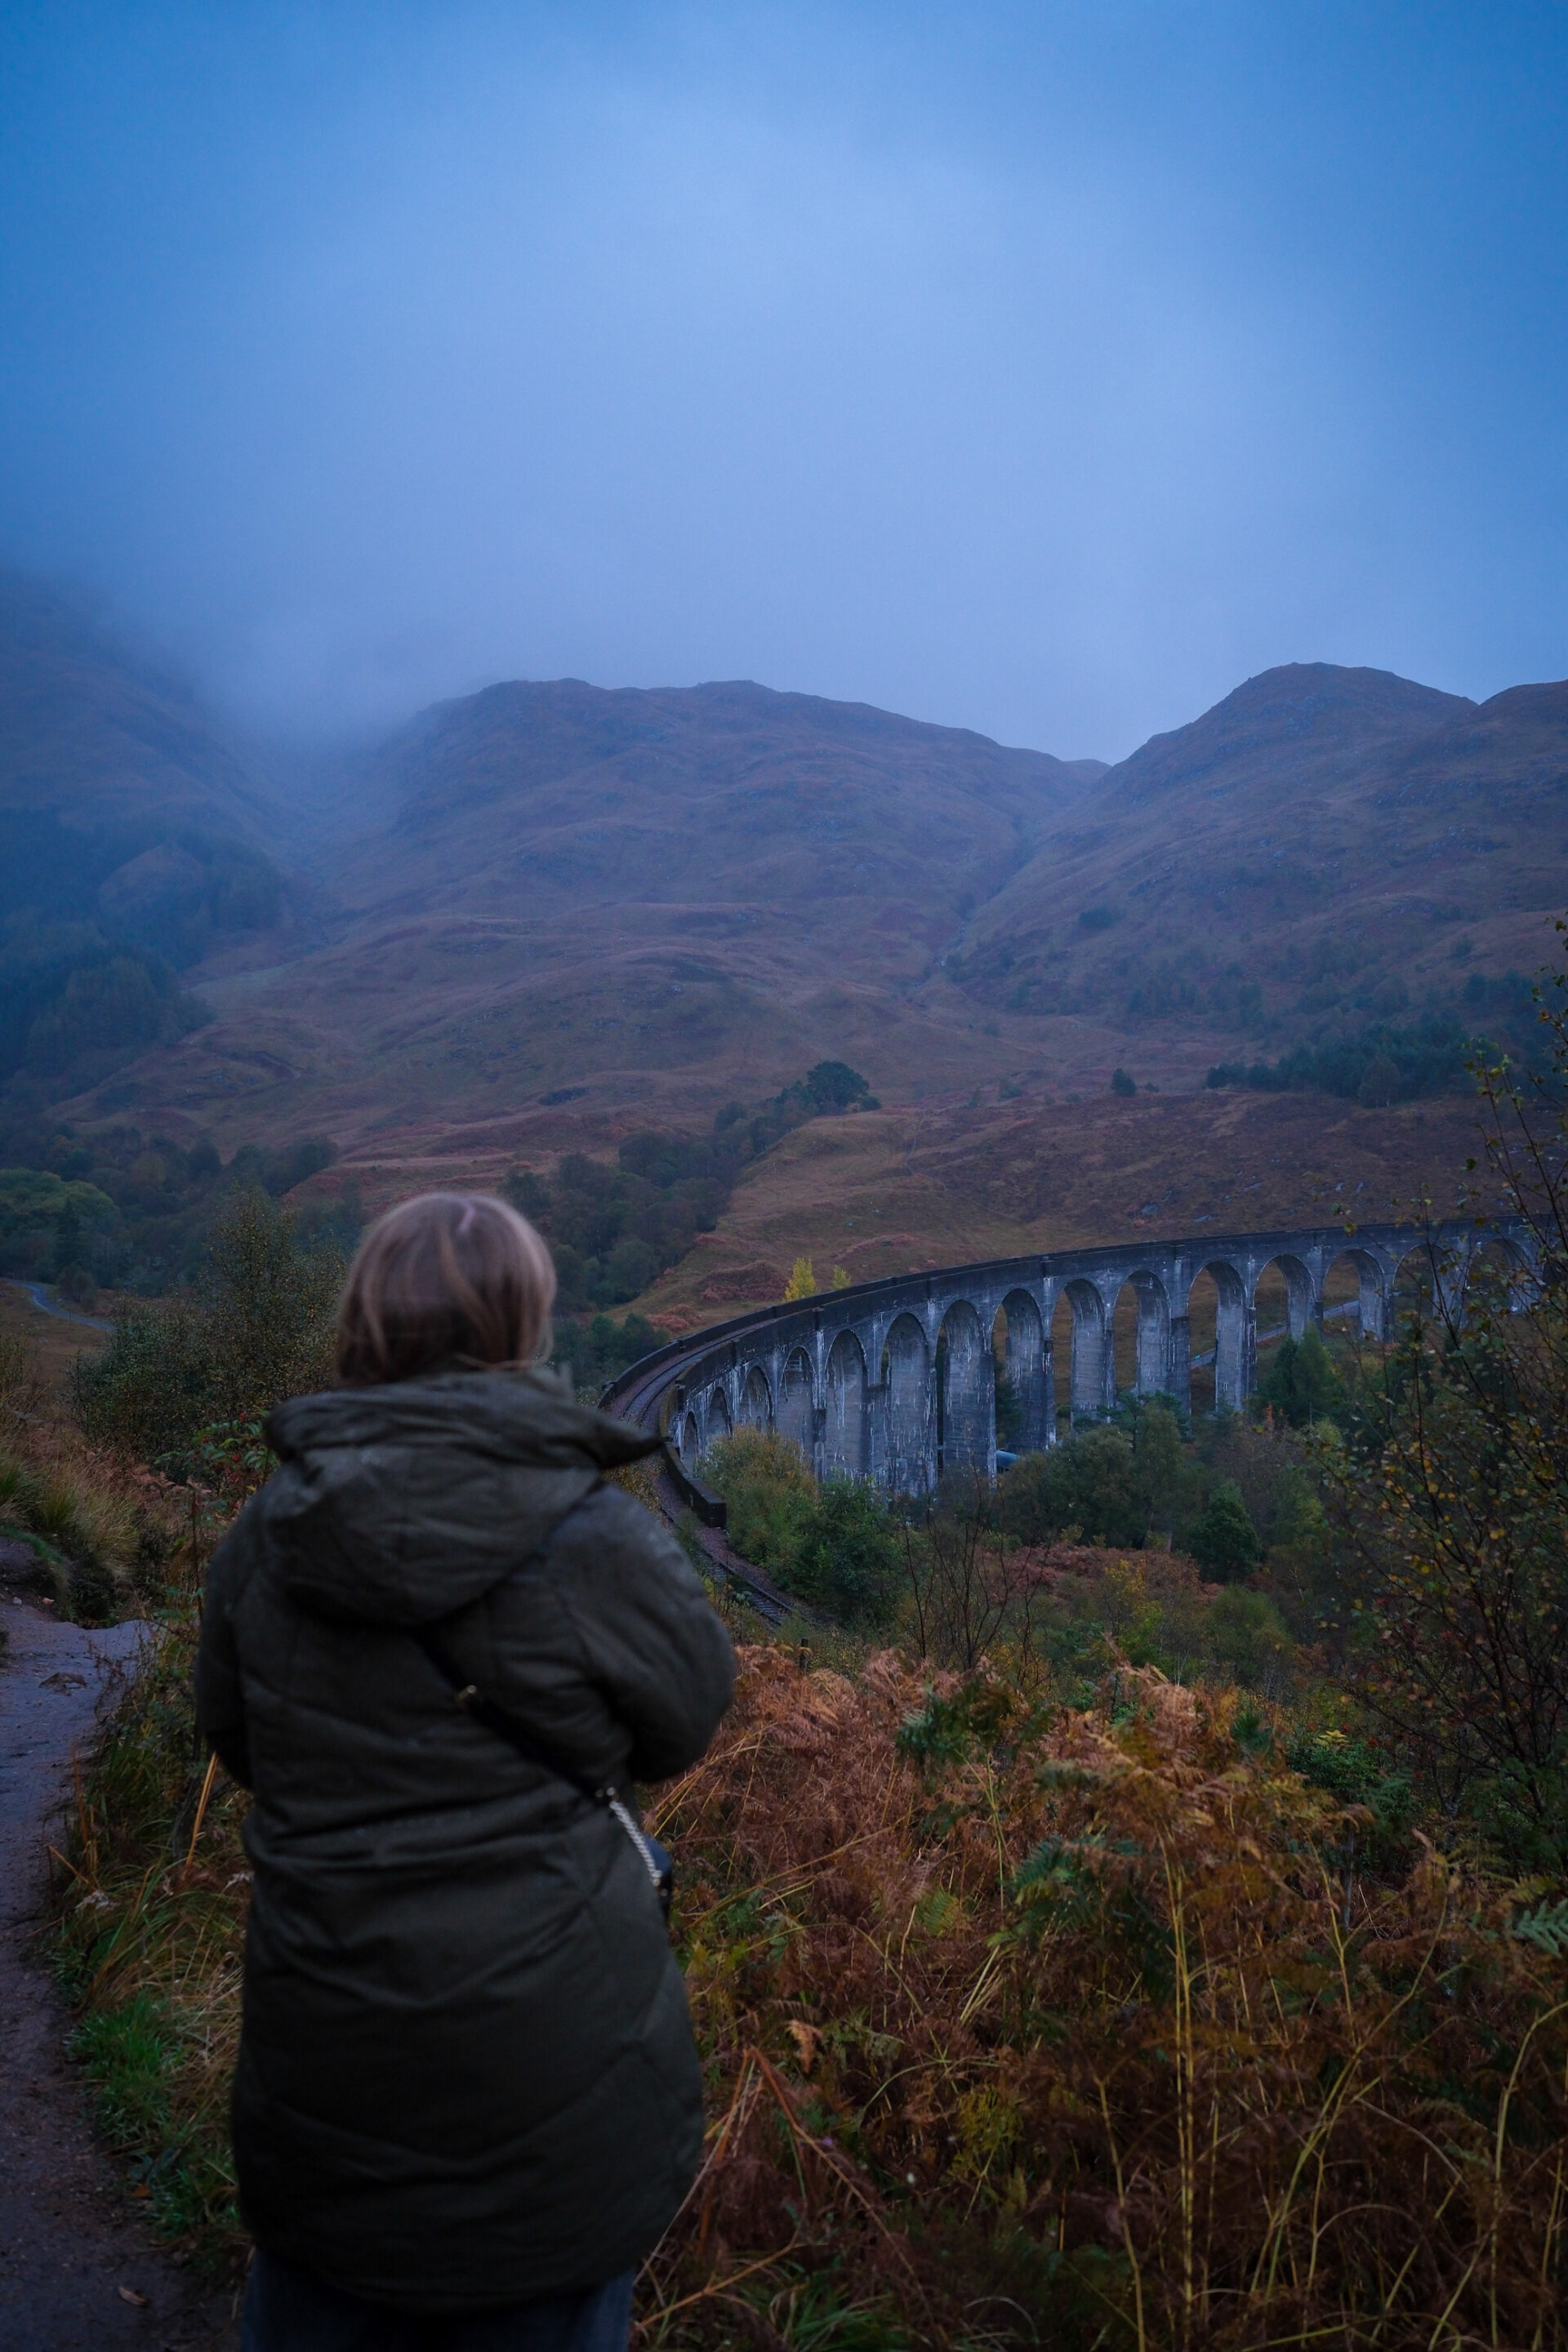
1091,2022
846,1560
1113,1485
769,1494
1449,1504
1245,1631
1089,1483
833,1547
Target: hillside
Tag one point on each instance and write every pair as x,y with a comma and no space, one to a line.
1324,845
638,902
529,798
134,839
546,914
898,1191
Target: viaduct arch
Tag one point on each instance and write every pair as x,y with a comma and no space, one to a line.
892,1379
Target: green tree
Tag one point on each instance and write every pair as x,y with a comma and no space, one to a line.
1009,1412
1380,1084
1301,1383
1090,1483
1159,1472
67,1240
267,1307
258,1329
1223,1538
835,1086
1448,1502
769,1495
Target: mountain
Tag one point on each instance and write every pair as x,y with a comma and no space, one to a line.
1289,732
548,913
93,735
133,838
634,902
1324,844
536,798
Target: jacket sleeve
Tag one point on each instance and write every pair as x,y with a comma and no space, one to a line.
220,1697
651,1639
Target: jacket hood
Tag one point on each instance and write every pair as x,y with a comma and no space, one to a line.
399,1504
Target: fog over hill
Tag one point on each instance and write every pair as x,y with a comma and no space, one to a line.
642,904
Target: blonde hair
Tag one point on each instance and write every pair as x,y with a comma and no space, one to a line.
447,1278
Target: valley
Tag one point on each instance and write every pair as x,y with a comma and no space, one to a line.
546,917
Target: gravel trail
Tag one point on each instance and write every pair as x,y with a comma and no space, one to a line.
78,2273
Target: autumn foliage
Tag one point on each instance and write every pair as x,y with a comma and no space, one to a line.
1026,2026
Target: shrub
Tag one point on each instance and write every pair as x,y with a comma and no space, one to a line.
1122,1084
846,1559
1088,1483
1223,1538
769,1493
1450,1502
1095,2023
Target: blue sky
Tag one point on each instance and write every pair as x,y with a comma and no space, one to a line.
1043,368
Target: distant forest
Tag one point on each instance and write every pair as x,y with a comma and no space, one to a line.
120,1210
95,925
1383,1063
612,1230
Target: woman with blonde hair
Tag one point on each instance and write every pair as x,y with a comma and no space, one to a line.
439,1647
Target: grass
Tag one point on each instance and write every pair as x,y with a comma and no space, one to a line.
98,1528
150,1887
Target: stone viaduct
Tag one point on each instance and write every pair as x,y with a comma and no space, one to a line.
893,1380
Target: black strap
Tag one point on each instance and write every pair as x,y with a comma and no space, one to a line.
506,1727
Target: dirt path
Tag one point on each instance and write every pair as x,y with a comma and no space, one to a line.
77,2273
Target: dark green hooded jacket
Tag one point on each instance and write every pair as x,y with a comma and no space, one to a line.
466,2077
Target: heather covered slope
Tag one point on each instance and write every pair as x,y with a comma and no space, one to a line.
528,798
1323,844
1319,843
653,901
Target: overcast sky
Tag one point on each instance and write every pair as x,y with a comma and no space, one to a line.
1043,368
